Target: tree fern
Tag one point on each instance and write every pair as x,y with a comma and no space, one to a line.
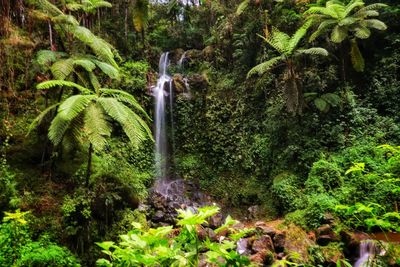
346,22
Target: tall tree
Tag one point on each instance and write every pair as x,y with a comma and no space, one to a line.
346,22
287,47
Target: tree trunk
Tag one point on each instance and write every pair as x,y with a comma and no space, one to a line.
89,165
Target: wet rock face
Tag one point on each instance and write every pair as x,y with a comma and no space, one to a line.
170,195
326,235
198,82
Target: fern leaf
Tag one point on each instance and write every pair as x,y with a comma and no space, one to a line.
85,63
362,32
322,28
61,69
321,104
100,47
242,7
264,67
67,111
313,51
96,127
278,40
126,98
332,99
351,6
134,127
140,14
46,57
65,19
339,34
356,57
108,69
376,24
38,120
60,83
297,36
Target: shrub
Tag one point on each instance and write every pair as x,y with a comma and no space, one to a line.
287,191
324,176
165,246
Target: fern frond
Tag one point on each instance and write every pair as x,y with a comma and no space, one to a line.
61,69
356,57
323,27
242,7
339,34
134,127
313,51
94,81
332,99
96,127
372,7
140,14
67,111
376,24
264,67
85,63
366,13
46,57
74,6
362,32
60,83
100,47
347,21
107,69
278,40
65,19
38,120
48,7
126,98
323,11
297,36
351,6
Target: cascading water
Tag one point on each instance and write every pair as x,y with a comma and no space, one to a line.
368,250
160,93
172,190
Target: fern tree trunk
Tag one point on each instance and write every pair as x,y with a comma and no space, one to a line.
89,165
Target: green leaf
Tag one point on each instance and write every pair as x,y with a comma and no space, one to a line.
321,104
356,57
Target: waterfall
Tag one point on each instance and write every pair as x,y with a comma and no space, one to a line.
368,250
160,93
182,59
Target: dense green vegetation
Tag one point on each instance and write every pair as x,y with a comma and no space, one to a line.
293,110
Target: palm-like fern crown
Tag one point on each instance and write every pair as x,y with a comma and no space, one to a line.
70,26
344,20
287,47
87,116
88,6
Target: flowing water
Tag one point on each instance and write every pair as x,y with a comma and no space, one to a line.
368,250
160,93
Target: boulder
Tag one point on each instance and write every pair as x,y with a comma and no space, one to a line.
263,228
326,235
279,241
262,258
198,82
179,83
263,243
